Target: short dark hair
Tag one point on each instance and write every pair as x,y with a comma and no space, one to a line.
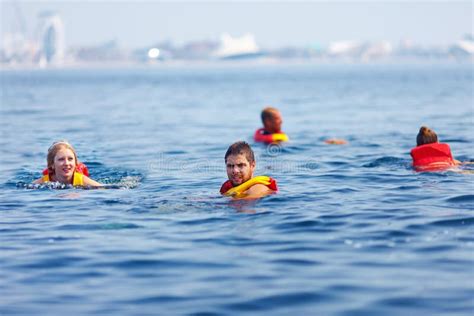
240,148
426,136
267,113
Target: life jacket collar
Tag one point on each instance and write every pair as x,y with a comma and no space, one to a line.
228,188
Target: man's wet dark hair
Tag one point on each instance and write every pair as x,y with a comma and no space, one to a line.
268,113
240,148
426,136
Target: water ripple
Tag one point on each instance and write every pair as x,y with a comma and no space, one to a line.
105,226
468,198
352,224
457,222
386,161
272,302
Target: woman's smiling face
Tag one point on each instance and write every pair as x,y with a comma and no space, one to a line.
64,164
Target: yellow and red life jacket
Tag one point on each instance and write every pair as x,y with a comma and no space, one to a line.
228,188
262,136
78,178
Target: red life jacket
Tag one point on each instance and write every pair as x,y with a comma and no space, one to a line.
272,185
262,136
226,186
80,167
432,157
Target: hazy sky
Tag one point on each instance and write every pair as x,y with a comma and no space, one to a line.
274,24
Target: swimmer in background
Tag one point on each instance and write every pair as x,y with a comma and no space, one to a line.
271,130
335,141
63,167
240,165
431,155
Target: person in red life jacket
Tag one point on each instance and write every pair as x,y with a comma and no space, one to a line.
271,130
240,166
62,167
429,154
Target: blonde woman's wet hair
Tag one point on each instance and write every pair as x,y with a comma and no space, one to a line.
53,150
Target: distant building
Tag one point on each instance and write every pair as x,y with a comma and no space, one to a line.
344,48
237,47
463,48
167,51
51,39
292,53
377,50
199,50
17,49
108,51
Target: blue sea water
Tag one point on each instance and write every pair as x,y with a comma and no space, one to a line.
353,229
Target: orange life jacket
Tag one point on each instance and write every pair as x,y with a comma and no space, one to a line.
432,157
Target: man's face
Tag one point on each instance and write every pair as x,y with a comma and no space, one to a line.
239,169
273,124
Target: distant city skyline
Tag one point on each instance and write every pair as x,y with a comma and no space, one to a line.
274,24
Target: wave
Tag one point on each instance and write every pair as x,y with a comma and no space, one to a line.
388,161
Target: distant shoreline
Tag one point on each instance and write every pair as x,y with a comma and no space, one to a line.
235,63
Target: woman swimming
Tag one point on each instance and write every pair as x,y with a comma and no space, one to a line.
431,155
62,167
